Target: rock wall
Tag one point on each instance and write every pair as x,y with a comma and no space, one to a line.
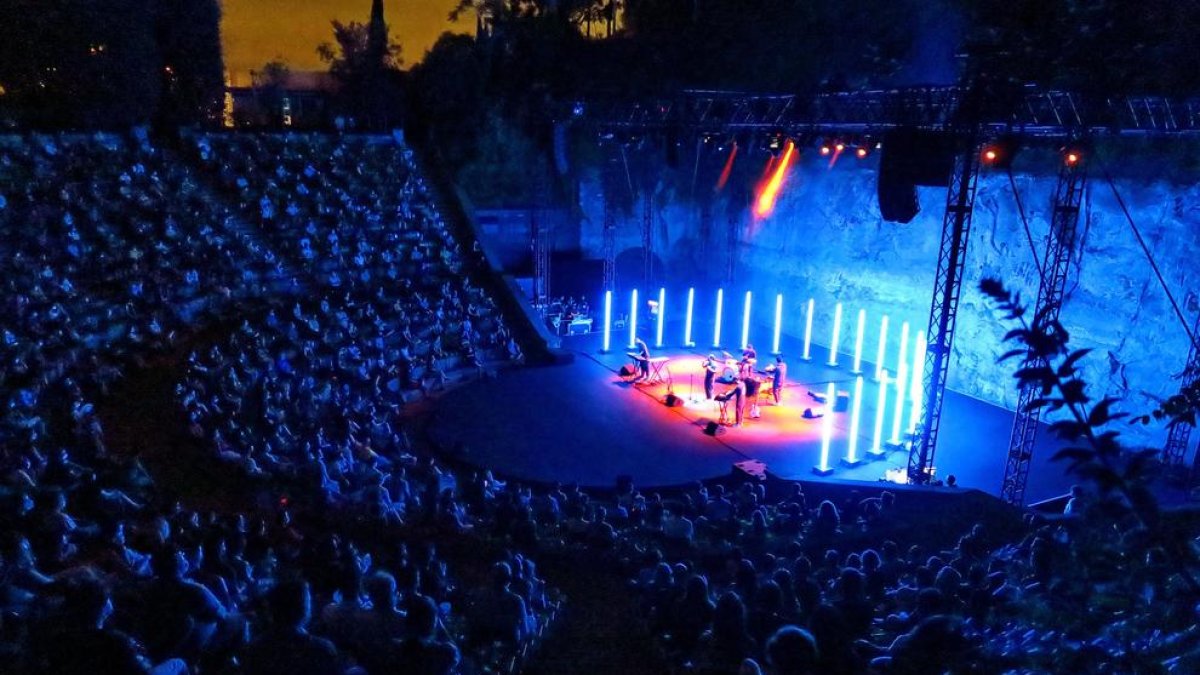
826,240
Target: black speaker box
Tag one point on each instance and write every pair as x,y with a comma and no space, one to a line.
711,428
672,400
627,371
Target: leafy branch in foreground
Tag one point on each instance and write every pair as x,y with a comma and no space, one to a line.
1121,477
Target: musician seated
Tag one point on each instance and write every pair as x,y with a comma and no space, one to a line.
643,361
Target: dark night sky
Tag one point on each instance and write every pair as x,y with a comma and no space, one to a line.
256,31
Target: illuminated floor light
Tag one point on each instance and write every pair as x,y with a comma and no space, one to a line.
746,321
898,413
901,363
607,320
858,341
778,322
880,405
883,328
837,333
662,310
717,325
917,389
823,468
808,329
852,458
687,324
633,313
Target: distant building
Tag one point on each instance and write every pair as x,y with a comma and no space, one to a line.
300,99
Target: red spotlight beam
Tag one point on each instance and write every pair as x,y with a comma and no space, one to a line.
728,169
770,192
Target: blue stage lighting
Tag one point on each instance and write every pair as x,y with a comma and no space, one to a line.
855,415
837,333
778,323
826,431
746,321
808,329
662,311
687,324
879,356
717,324
858,341
633,315
607,320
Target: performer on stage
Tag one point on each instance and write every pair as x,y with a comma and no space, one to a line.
752,384
750,354
644,361
778,372
711,367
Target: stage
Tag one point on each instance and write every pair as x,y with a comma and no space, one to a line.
584,423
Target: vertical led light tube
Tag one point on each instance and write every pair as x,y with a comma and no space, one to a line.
898,414
880,406
837,333
917,389
633,312
687,323
607,320
717,325
827,427
883,330
858,341
778,322
808,329
855,415
662,311
746,321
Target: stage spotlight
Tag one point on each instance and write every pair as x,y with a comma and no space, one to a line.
775,143
607,320
633,317
1072,157
717,325
687,323
861,152
823,469
839,146
746,321
826,149
858,341
808,329
662,307
778,322
837,331
1000,153
880,405
879,356
855,415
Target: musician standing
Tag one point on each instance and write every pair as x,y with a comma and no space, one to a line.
643,360
778,374
710,374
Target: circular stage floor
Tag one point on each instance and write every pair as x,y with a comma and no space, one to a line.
582,423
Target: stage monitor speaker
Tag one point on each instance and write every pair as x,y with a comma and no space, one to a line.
809,414
672,400
628,371
711,428
842,402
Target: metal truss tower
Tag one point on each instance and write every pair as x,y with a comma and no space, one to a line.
648,238
1175,450
943,311
541,242
610,232
1056,265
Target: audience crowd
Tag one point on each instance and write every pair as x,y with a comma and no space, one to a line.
339,297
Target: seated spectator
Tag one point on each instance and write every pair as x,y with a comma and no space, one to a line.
286,648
